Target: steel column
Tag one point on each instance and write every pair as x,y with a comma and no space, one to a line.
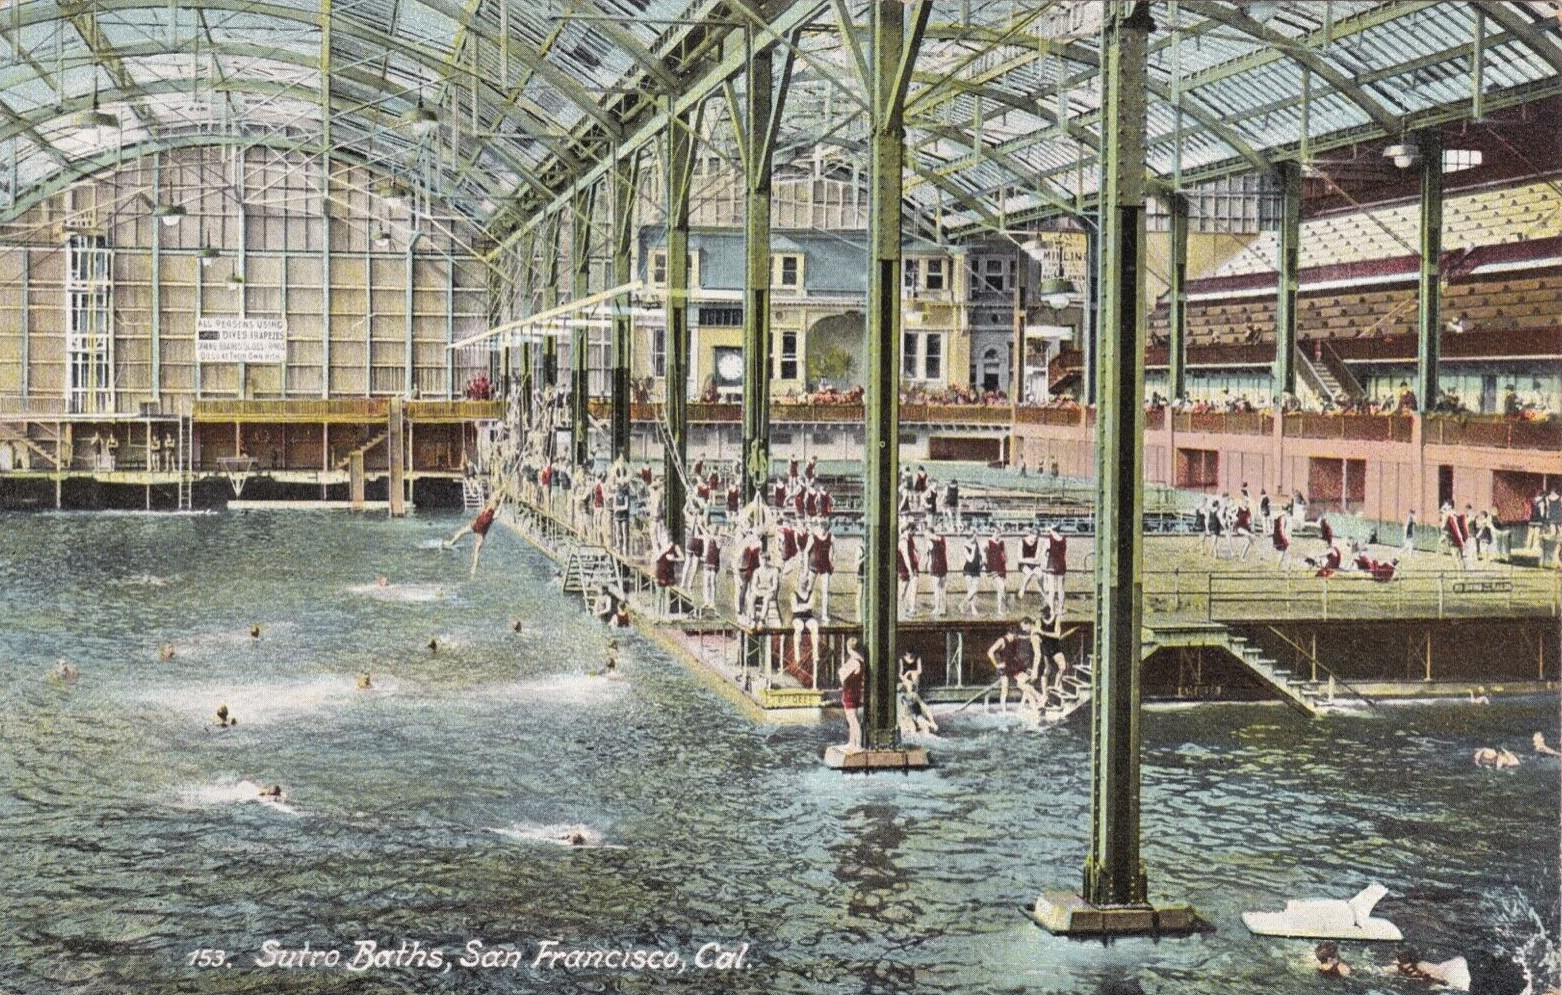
1428,317
758,136
156,284
1283,375
579,286
550,300
1113,873
678,175
626,176
1177,298
890,59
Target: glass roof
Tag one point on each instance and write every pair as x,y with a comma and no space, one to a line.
534,97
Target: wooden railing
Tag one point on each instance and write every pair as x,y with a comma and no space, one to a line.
1058,417
455,410
1494,431
1224,422
1357,428
294,409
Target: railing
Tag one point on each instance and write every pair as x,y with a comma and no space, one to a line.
1357,428
784,413
1245,596
301,409
12,404
1059,417
455,410
1224,422
1495,431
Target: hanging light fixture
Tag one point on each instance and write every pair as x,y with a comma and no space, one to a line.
207,255
169,214
1404,154
1057,292
1033,248
394,194
382,239
419,120
235,281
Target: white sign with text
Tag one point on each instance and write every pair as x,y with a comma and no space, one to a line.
240,340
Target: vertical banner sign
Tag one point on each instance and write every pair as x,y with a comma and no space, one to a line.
240,340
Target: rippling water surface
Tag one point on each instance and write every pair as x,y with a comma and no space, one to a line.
441,806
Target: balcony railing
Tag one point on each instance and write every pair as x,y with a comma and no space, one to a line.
1493,431
1224,422
1357,428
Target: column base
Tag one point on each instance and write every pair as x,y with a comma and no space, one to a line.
1065,914
851,759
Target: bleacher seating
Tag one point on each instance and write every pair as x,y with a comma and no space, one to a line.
1483,217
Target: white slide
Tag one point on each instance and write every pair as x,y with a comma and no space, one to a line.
1327,918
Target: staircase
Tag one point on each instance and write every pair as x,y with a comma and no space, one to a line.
1071,694
362,450
185,461
473,494
1307,697
589,569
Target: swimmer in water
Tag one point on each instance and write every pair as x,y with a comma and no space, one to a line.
66,671
1498,757
365,682
272,793
1478,696
516,627
574,838
382,581
1329,963
433,645
1454,972
165,652
254,631
1539,740
223,718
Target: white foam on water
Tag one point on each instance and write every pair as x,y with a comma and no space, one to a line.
562,689
224,793
431,543
558,834
142,580
399,592
263,704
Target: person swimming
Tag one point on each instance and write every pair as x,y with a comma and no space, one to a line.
1495,757
1539,741
433,644
66,671
516,627
1329,963
1454,972
365,682
382,581
223,718
165,652
254,631
272,793
573,838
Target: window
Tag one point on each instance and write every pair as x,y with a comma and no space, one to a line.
993,274
659,268
787,270
911,275
720,316
922,356
658,351
788,370
935,274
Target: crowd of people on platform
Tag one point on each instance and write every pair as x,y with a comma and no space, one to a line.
1231,528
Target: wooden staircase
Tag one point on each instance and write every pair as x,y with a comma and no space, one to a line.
589,569
1070,695
1308,697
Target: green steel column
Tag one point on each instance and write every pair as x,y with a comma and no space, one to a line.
1428,319
890,63
678,174
550,300
527,256
157,285
579,286
756,277
1177,297
1113,873
1284,372
625,179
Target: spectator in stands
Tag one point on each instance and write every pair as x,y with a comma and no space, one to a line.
1407,398
1510,403
1457,325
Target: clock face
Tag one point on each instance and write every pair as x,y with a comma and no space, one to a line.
729,366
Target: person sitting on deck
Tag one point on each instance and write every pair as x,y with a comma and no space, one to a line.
912,712
478,527
1329,563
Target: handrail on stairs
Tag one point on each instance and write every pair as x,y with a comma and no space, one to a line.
1338,680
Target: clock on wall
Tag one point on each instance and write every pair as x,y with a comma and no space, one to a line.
729,367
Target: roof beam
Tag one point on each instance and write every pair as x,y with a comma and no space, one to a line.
647,60
1525,30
